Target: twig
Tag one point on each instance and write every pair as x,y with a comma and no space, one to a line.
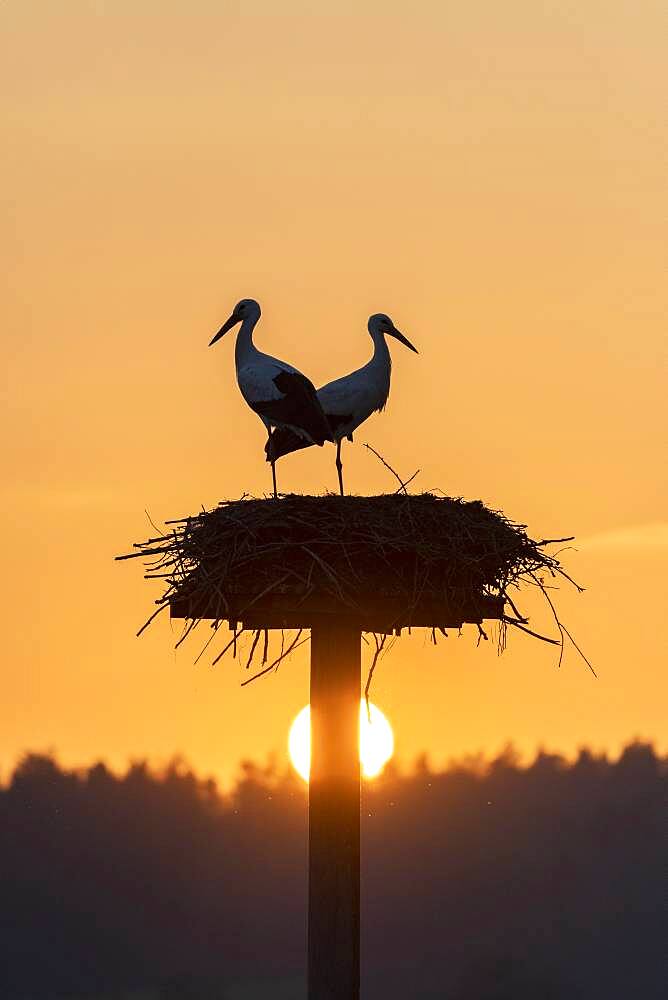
562,628
232,642
579,651
151,521
294,645
215,626
408,482
402,484
256,638
518,614
523,628
187,630
153,616
380,643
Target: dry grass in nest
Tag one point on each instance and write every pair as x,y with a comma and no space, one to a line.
349,549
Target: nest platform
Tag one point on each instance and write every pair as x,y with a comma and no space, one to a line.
384,562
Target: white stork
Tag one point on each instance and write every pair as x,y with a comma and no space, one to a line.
280,395
348,401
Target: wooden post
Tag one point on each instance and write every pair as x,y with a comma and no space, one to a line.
334,812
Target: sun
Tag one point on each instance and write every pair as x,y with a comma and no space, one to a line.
376,741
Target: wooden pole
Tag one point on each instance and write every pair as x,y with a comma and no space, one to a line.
334,812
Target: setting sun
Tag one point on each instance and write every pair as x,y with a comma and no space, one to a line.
376,741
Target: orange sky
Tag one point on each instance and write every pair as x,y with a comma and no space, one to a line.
492,175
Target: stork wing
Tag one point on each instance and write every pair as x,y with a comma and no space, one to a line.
297,408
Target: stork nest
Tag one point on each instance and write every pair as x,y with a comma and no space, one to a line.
350,550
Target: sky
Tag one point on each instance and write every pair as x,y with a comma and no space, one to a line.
493,177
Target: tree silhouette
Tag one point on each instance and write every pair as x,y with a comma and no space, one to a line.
481,882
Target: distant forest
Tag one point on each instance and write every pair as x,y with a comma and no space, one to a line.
488,881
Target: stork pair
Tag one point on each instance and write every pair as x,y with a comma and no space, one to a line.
293,412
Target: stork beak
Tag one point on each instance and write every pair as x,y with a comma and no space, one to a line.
402,340
232,321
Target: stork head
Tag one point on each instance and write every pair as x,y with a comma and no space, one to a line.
380,323
244,309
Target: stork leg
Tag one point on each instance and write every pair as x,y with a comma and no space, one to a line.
270,431
339,466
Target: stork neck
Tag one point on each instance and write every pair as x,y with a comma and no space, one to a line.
381,352
244,346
